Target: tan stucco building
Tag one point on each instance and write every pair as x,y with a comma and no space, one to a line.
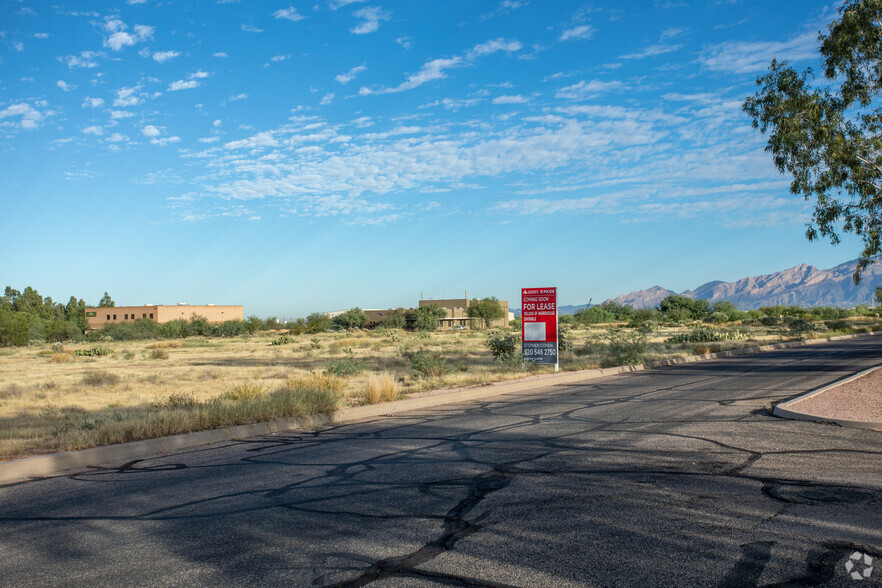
161,313
457,315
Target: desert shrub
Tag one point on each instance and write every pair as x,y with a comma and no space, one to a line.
503,344
838,325
246,391
640,317
61,357
624,348
62,331
230,328
379,388
799,327
314,343
703,334
283,340
564,339
100,378
12,391
717,318
426,364
172,329
92,352
769,321
354,318
702,349
178,400
158,354
345,366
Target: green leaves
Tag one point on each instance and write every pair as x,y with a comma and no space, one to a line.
829,140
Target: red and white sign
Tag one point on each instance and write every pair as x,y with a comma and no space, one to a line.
539,324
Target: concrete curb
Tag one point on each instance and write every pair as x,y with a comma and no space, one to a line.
784,409
48,465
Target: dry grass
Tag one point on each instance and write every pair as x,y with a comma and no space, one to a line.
380,388
47,404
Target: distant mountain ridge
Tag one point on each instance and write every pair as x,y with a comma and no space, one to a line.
803,285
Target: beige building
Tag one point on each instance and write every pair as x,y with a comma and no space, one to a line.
457,314
98,317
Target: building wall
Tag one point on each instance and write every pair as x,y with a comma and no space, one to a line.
457,314
98,317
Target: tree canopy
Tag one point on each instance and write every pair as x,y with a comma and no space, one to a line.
828,138
354,318
485,310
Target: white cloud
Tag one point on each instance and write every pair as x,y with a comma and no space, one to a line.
219,54
405,42
93,102
41,35
182,85
85,59
218,122
236,98
350,75
278,58
165,140
289,13
150,131
371,17
516,99
128,96
116,138
584,90
94,130
653,51
335,4
65,86
118,114
249,28
163,56
327,99
744,57
258,141
208,139
436,68
493,46
199,75
581,33
119,37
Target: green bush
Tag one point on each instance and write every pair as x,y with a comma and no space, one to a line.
624,348
425,363
706,334
346,366
99,378
800,327
503,344
717,318
283,340
92,352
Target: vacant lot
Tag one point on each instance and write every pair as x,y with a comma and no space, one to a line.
67,397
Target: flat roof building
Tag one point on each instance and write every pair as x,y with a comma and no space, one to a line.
97,317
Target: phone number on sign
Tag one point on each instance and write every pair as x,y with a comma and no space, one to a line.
548,351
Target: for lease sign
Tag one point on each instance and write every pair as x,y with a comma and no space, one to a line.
539,324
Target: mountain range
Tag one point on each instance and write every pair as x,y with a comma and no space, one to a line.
803,285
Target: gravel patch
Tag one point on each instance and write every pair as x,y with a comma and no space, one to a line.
858,400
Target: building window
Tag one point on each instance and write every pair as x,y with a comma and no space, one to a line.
125,317
144,315
151,315
114,317
108,317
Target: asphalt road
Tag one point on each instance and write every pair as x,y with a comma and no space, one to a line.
671,477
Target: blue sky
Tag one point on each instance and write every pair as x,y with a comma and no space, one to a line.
295,157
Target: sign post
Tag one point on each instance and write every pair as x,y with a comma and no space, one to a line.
539,326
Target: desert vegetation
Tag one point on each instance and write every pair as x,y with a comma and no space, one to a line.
140,380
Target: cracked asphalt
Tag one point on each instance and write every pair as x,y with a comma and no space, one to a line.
675,476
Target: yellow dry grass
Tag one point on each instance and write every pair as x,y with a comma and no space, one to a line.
52,399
